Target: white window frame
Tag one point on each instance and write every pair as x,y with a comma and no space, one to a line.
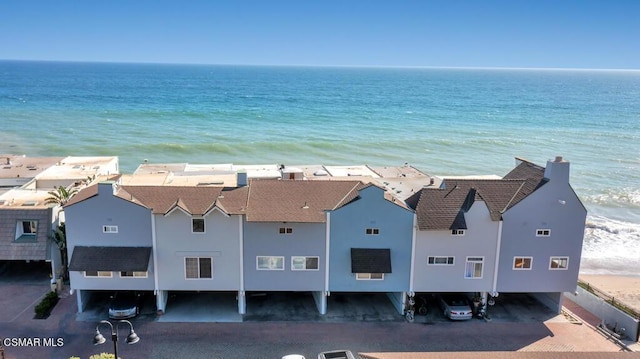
474,260
33,231
109,228
523,258
100,274
285,230
199,268
273,261
561,258
204,225
304,258
134,274
369,276
446,260
543,232
458,232
372,231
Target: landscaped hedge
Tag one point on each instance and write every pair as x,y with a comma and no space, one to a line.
44,308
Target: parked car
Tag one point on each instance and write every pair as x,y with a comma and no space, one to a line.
337,354
124,305
455,306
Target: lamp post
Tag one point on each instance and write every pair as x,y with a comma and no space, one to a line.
132,338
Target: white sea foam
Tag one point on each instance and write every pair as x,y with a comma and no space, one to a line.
611,247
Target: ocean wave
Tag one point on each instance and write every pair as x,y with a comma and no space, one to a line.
620,197
609,238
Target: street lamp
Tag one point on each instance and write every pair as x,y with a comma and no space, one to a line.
132,338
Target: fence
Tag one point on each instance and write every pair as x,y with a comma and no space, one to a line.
609,299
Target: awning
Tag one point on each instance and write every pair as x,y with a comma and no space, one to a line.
110,259
370,260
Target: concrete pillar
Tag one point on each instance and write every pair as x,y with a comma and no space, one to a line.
320,298
161,300
242,302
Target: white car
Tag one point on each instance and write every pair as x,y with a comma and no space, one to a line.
455,306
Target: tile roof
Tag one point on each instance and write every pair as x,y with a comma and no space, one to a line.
297,201
444,208
129,259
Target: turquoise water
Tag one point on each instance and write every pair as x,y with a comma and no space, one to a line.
443,121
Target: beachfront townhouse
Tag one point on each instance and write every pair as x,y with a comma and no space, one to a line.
542,234
370,245
109,242
457,234
286,234
197,238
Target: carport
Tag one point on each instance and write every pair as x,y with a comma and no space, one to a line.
201,306
97,303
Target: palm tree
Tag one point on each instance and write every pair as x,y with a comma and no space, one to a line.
60,196
60,239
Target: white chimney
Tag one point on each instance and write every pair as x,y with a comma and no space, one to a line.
557,170
107,188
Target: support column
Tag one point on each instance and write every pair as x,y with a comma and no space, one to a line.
242,302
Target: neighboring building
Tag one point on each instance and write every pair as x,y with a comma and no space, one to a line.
542,234
370,245
197,238
109,242
286,234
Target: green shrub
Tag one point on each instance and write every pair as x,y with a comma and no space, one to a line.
43,309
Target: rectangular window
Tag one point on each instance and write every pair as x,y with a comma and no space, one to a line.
522,263
100,274
269,263
559,263
197,225
285,230
543,232
304,263
109,229
133,274
370,276
198,268
372,231
457,232
440,260
26,230
473,267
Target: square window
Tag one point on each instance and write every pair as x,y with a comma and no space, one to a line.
133,274
440,260
522,263
285,230
473,267
100,274
457,232
304,263
26,231
198,268
369,276
559,263
197,225
109,229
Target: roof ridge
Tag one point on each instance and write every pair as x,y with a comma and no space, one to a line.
347,194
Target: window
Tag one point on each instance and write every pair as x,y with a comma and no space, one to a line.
369,276
269,263
26,230
457,232
109,229
543,232
304,263
522,263
101,274
473,267
440,260
197,225
133,275
372,231
198,268
285,230
559,263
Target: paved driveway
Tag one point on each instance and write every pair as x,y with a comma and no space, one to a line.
22,286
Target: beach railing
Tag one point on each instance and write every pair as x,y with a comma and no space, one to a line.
609,299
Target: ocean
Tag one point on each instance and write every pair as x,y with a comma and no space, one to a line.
442,121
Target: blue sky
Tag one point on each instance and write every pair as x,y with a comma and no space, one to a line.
473,33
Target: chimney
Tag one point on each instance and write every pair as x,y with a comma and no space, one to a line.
241,178
107,188
557,170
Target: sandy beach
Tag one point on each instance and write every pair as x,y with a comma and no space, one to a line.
626,289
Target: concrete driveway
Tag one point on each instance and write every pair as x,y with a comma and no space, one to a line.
22,285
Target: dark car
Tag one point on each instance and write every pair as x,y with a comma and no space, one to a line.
455,306
124,305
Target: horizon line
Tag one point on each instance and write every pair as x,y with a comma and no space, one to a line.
331,66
